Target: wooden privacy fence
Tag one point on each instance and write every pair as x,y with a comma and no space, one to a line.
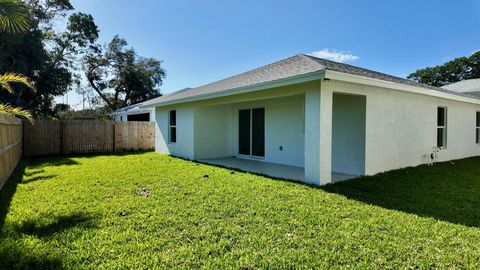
49,137
10,145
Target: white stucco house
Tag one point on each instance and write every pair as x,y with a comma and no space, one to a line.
315,121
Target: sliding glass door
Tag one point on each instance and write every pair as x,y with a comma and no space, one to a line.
251,132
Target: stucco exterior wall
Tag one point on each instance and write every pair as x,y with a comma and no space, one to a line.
401,127
213,132
284,128
348,134
184,147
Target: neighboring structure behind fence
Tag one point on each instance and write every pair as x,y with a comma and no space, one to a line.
48,137
10,145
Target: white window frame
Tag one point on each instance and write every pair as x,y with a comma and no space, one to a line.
444,127
477,127
170,127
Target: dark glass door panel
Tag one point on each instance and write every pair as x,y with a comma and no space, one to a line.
258,132
244,132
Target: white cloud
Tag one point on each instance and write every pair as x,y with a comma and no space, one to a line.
336,56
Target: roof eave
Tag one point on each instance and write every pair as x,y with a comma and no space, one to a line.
346,77
139,111
312,76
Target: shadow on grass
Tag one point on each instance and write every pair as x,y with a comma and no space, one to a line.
33,173
448,191
22,257
40,162
66,159
46,227
37,178
16,255
36,164
8,190
18,177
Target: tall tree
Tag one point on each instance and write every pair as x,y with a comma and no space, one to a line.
120,76
46,56
462,68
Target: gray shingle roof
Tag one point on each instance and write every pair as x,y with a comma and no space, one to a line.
472,85
290,67
294,66
345,68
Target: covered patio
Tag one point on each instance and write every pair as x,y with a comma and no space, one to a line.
298,132
270,169
297,141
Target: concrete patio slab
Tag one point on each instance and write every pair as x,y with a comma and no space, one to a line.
270,169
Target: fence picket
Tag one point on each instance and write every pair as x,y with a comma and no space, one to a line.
10,145
48,137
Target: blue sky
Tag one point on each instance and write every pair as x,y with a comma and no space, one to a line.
203,41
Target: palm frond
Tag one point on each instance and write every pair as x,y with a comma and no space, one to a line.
16,111
14,17
7,78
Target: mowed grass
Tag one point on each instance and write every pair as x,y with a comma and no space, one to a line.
147,211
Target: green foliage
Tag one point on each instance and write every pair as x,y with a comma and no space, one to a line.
14,17
99,113
151,211
7,79
5,82
17,112
120,76
81,32
51,68
462,68
45,12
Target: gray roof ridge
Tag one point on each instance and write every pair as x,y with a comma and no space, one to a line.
376,72
310,58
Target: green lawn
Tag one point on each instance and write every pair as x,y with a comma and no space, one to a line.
148,211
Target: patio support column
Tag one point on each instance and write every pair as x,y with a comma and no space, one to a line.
326,113
312,137
318,136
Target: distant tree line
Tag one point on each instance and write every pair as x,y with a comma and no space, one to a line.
459,69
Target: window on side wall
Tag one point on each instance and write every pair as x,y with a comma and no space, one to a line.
477,129
172,127
442,127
